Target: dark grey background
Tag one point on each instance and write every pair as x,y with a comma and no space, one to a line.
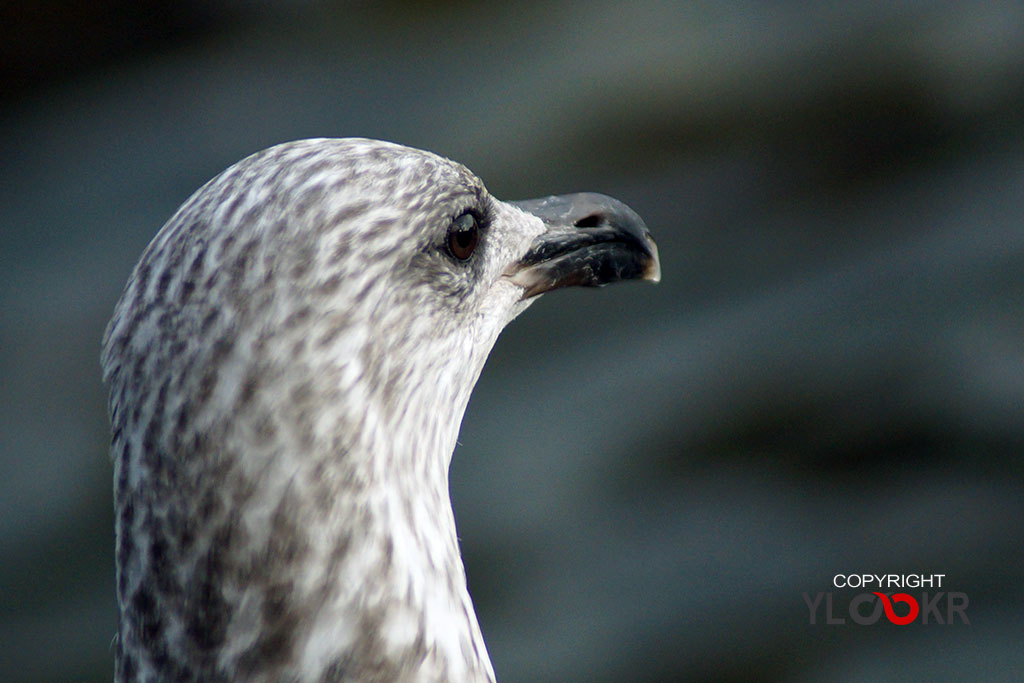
830,377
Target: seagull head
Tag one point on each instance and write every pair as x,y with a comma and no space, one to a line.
288,367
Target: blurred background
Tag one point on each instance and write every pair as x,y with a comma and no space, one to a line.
829,379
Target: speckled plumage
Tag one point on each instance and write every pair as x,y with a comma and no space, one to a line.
288,368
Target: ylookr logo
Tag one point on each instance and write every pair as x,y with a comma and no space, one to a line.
865,609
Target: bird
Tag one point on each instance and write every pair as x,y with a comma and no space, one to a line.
288,367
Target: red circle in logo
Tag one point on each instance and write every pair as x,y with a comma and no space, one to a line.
891,613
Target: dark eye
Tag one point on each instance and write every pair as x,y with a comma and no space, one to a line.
463,236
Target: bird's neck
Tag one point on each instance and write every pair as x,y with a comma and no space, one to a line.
363,565
302,531
387,597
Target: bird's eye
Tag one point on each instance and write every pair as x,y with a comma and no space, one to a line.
463,236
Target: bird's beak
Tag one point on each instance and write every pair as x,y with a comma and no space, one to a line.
591,240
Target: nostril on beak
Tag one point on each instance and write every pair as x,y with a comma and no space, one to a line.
591,221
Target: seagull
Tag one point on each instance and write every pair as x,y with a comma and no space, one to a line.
288,367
